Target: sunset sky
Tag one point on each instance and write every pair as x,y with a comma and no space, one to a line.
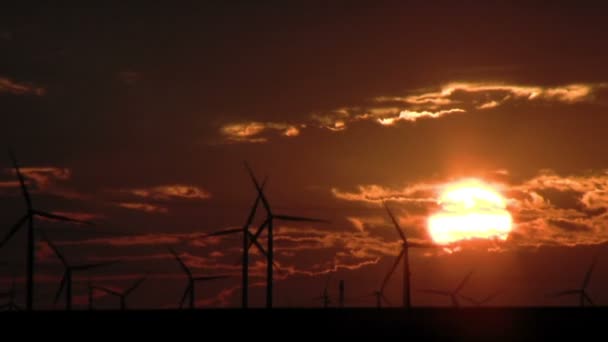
140,118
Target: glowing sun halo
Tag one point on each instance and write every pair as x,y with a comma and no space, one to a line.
470,209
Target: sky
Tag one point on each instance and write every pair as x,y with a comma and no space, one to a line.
139,118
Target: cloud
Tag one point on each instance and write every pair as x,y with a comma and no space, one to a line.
419,104
145,207
168,192
408,115
252,132
451,98
152,239
15,88
418,192
44,179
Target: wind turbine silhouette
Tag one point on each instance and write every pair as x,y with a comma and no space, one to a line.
582,292
29,216
192,280
66,280
268,224
452,294
481,302
11,295
248,240
122,295
378,296
325,295
404,254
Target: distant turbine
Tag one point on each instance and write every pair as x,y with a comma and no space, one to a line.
481,302
582,292
29,216
452,294
404,254
11,295
341,294
192,280
325,295
381,298
122,295
378,296
66,280
269,224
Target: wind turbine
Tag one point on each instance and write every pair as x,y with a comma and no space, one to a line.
248,240
269,224
11,294
582,292
481,302
325,295
378,296
404,254
66,280
454,293
192,280
29,216
122,295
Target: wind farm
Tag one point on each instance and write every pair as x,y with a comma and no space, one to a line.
292,168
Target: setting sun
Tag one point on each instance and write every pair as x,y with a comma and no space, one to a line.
470,209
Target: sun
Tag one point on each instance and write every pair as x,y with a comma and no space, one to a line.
470,209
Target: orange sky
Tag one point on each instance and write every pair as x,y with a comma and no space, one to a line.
140,119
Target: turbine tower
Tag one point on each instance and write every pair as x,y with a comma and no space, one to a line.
403,255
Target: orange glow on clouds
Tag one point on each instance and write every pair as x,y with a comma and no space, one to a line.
471,209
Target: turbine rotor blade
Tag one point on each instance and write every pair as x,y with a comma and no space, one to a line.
181,263
181,303
225,232
265,254
397,226
14,230
24,191
299,219
107,290
61,286
463,282
205,278
392,269
135,286
589,272
259,189
490,297
59,217
55,249
254,207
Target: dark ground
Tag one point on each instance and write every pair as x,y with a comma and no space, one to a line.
219,324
